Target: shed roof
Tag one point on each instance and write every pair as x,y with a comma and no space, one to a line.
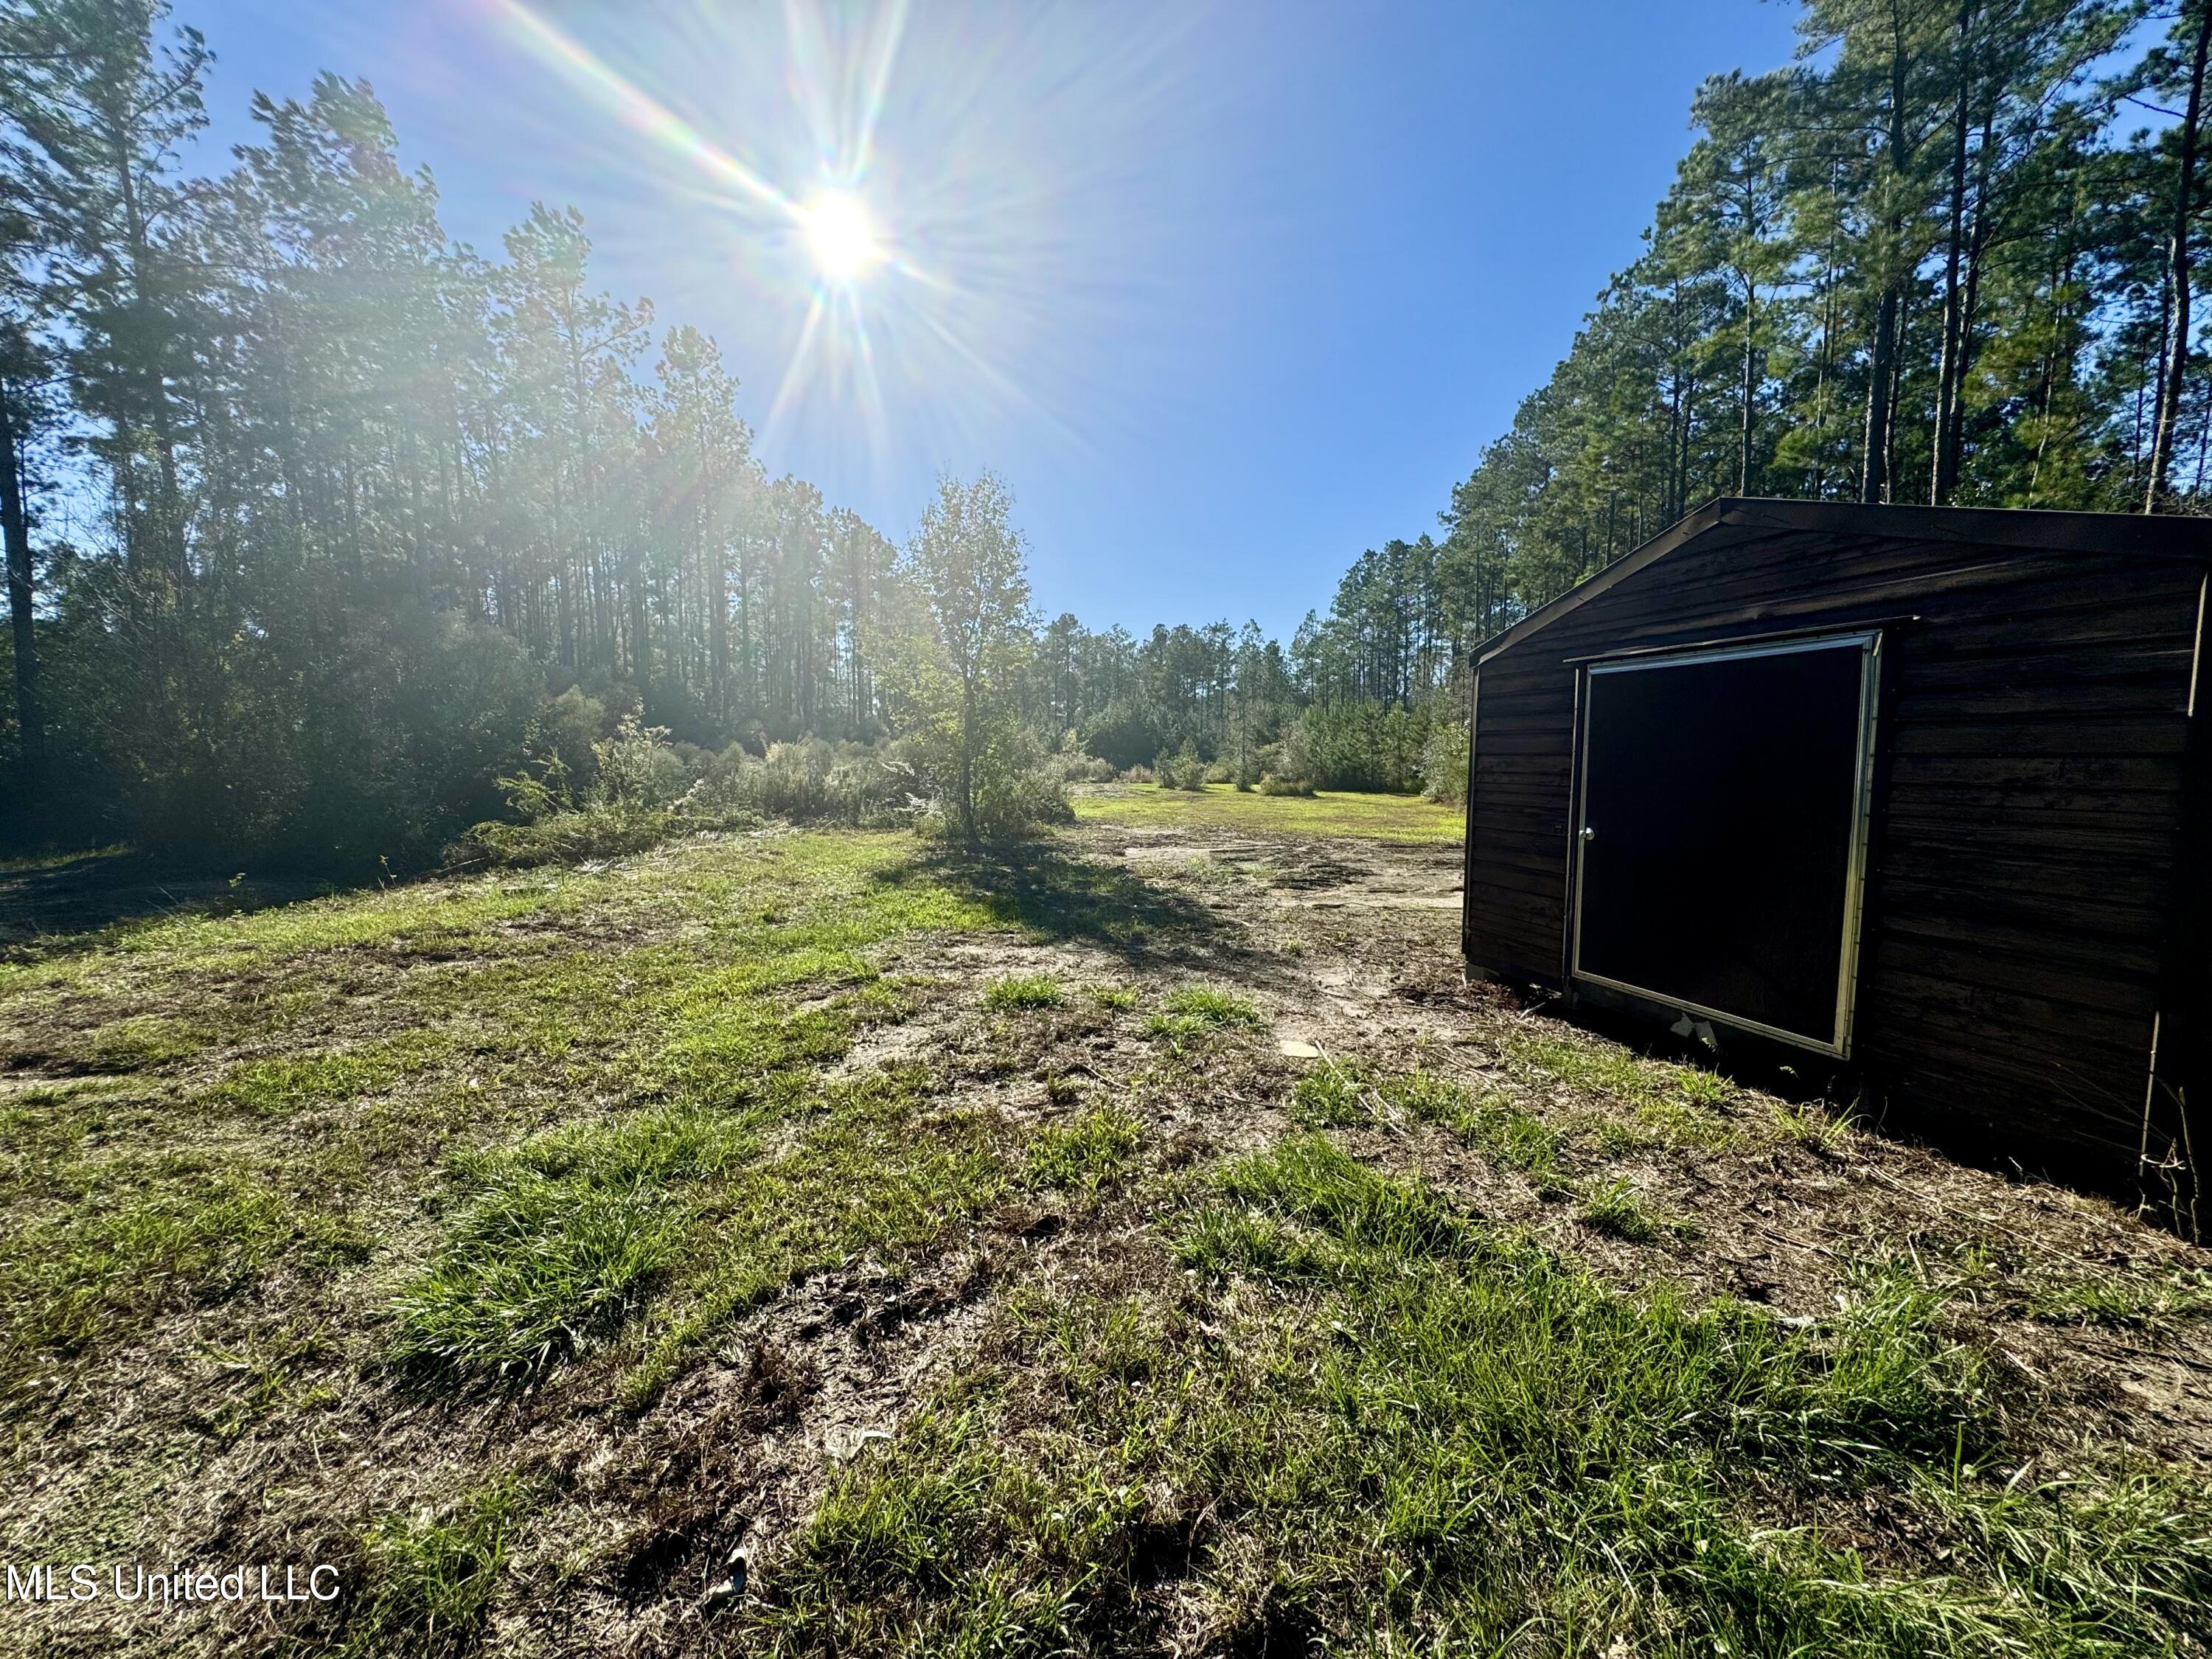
1741,518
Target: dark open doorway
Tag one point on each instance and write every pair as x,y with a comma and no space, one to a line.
1723,805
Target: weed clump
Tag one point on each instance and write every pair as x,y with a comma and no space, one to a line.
1197,1010
537,1269
1332,1097
1616,1209
1036,991
431,1576
1086,1154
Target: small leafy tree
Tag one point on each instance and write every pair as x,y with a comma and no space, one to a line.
966,567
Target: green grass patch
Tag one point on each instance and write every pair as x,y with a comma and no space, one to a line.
276,1088
431,1574
1643,1100
1490,1121
144,1043
1618,1209
1196,1010
2124,1299
1095,1148
1331,1096
152,1239
1035,991
537,1269
1329,812
874,1175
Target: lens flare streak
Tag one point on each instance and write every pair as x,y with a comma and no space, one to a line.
889,204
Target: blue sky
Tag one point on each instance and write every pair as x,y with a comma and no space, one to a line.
1227,294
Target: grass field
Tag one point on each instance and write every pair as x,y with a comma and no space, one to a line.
1221,807
799,1244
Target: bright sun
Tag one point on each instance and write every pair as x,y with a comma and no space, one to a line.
840,235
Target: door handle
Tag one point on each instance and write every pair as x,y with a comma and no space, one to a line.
1589,834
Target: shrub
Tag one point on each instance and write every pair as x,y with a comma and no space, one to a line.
1444,763
810,781
1014,801
1275,786
591,832
1181,770
638,771
1070,764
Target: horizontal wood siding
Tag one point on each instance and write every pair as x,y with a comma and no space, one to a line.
2022,874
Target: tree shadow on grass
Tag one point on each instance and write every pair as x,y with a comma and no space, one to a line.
66,903
1040,887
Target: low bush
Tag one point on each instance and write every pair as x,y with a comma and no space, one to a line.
811,781
591,832
1272,785
1070,763
628,805
1181,770
1443,764
642,792
1015,802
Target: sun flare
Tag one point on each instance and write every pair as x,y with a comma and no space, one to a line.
840,235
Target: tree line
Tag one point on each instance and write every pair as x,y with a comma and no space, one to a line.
1949,255
313,514
310,512
308,505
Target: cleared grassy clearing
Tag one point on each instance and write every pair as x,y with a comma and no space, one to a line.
1374,1423
1222,806
814,1243
579,1118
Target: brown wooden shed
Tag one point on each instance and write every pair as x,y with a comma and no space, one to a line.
1918,795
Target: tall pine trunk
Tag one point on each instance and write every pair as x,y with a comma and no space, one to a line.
1743,429
1943,472
1873,484
1881,370
2175,366
30,725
